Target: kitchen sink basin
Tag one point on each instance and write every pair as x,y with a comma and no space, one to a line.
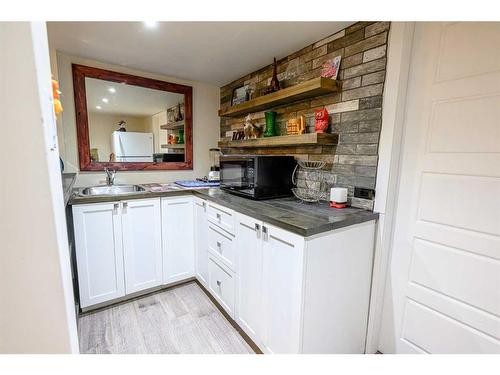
111,190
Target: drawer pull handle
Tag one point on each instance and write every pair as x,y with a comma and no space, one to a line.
257,230
219,283
219,245
115,208
218,217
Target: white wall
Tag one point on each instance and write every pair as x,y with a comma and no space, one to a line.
205,126
37,307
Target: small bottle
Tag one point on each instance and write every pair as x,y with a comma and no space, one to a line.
275,83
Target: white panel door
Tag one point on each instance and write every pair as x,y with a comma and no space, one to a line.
445,263
201,237
249,314
283,255
99,252
178,238
141,228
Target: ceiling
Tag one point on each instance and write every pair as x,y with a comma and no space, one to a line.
121,99
212,52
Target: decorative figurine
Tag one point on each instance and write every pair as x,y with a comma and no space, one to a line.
121,126
321,123
55,95
252,130
296,126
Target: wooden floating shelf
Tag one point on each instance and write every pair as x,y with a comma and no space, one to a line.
176,145
173,125
308,89
310,139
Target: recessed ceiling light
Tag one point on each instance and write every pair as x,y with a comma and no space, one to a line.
105,100
151,24
98,107
112,89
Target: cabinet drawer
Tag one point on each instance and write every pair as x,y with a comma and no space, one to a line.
221,285
221,216
221,245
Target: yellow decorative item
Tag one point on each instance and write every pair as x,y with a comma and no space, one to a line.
55,94
296,126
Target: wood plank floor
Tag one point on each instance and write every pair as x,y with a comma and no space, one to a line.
179,320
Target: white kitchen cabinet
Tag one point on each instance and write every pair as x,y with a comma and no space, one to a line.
299,294
178,238
99,252
249,304
221,284
282,266
201,240
141,231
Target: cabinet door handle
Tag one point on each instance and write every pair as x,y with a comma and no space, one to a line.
204,204
257,230
125,206
219,283
265,232
115,208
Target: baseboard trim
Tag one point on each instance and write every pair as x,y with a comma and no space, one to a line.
133,297
235,325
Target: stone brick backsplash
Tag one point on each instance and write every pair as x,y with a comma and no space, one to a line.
355,111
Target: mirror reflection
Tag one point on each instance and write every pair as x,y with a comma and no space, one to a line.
134,124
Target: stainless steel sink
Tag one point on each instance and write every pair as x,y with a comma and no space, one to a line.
111,190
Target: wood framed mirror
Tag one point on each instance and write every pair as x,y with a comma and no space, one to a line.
130,123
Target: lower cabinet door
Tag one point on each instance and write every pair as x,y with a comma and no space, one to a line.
282,259
221,285
248,243
201,238
141,227
178,238
99,252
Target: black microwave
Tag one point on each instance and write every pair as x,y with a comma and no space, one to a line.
257,176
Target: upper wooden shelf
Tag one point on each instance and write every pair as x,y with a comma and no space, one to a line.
308,89
173,125
309,139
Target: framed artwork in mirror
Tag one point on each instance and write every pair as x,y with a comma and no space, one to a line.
131,123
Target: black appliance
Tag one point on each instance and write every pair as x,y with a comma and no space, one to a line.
257,176
172,157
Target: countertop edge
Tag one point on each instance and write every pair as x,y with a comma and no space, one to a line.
350,219
68,187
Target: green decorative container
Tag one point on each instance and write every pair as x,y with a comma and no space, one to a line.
181,137
270,124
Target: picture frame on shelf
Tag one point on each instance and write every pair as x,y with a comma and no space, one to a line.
330,68
240,95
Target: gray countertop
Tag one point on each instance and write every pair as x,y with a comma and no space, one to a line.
305,219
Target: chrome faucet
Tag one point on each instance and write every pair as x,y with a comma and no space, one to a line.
110,176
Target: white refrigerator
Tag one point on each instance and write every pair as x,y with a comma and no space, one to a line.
132,147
